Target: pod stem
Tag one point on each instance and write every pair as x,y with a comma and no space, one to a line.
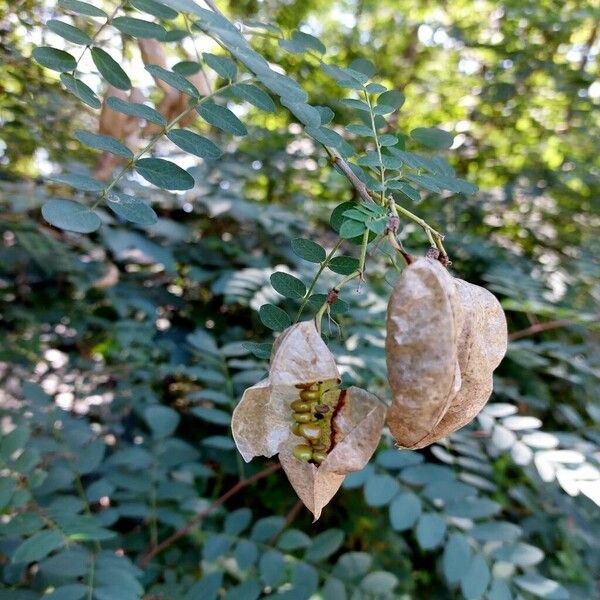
334,292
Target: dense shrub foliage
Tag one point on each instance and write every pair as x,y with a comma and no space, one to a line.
134,317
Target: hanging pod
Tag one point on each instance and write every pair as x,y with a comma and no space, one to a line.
321,433
444,339
423,326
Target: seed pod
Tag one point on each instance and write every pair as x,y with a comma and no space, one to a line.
472,332
261,421
421,350
357,428
341,439
481,347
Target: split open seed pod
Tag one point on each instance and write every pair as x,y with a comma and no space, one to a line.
444,339
321,433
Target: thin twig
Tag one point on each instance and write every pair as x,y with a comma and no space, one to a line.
311,287
238,487
106,23
344,168
538,328
289,519
192,106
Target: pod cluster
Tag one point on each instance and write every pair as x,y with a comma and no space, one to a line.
312,421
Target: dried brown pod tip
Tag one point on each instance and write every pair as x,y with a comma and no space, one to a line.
444,339
321,433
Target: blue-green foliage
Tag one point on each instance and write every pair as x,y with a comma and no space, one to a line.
139,443
124,354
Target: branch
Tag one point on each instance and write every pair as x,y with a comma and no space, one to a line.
238,487
289,519
344,168
588,48
538,328
106,23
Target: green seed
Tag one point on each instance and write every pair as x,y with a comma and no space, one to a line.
296,429
310,431
299,406
319,457
310,395
302,452
302,417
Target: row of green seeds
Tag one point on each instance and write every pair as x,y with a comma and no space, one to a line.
310,416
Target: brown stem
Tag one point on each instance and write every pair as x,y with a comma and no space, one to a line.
289,519
238,487
537,328
344,168
588,47
102,27
109,20
408,258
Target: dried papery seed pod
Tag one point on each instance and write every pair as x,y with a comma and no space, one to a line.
424,318
262,419
481,347
358,422
314,485
357,425
478,327
319,452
